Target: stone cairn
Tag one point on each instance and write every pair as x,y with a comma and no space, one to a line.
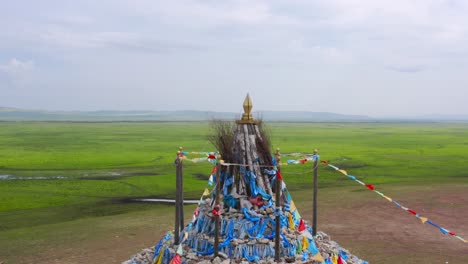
246,210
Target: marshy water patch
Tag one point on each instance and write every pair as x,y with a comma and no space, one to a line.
10,177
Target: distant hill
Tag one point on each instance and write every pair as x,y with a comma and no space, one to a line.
12,114
301,116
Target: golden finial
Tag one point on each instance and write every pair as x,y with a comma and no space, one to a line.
278,155
247,117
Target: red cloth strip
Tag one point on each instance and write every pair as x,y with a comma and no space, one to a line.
413,212
278,174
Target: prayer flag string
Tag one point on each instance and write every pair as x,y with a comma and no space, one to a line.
372,188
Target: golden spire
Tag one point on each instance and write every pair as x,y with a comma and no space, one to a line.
247,117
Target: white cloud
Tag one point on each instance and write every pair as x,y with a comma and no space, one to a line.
58,35
147,47
15,67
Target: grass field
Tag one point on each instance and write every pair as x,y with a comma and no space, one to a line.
83,171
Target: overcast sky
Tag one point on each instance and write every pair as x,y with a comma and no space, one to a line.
368,57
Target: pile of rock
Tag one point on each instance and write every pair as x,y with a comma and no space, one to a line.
327,247
246,236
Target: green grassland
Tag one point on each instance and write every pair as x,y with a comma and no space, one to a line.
102,163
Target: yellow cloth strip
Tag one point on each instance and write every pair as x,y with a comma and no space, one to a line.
305,243
318,257
388,198
158,260
334,259
291,222
384,196
344,172
292,206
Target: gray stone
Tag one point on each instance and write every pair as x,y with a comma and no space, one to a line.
192,255
217,260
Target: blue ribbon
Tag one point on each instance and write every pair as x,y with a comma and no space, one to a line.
250,258
315,157
248,216
343,255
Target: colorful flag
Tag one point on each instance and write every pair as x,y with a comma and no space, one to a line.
423,219
318,257
278,174
305,243
176,259
301,226
291,222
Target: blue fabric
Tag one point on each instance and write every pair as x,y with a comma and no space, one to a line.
433,224
268,204
261,231
248,216
343,255
228,181
157,248
250,178
254,189
210,251
443,230
250,258
271,176
277,211
352,177
285,241
230,201
315,157
251,230
312,247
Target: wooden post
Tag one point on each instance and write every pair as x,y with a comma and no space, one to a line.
314,211
181,191
217,202
278,205
177,200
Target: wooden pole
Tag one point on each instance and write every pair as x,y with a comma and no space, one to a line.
217,222
177,201
314,211
181,197
277,209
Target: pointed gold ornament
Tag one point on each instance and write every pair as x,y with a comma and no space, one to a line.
247,117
